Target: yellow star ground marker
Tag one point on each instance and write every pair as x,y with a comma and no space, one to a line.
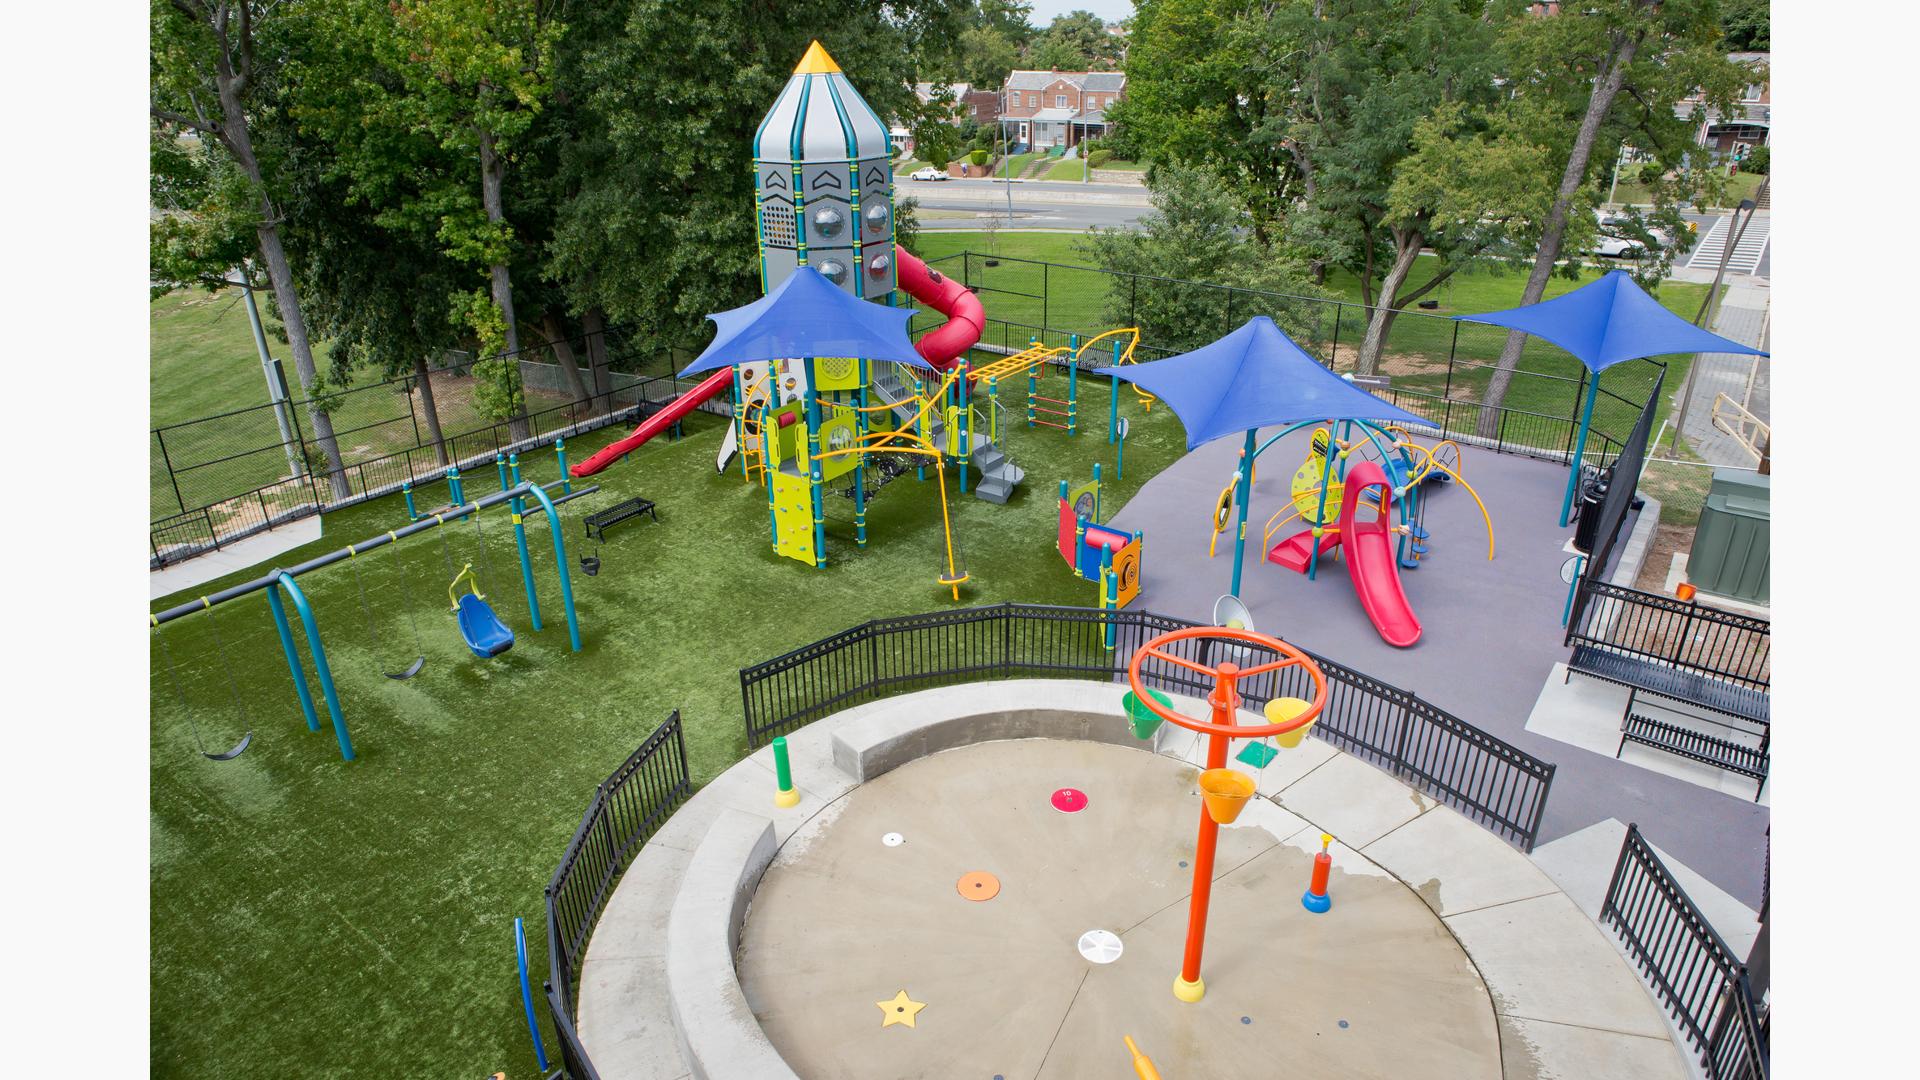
901,1010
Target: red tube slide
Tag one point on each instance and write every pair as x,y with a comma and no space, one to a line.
966,317
716,383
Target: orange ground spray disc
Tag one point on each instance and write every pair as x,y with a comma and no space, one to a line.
979,885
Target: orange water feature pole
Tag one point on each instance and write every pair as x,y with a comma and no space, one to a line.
1221,728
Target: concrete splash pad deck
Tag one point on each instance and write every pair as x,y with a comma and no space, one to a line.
1375,988
661,995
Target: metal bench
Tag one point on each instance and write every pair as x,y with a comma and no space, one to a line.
1748,761
1668,681
597,522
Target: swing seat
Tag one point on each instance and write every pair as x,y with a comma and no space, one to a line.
411,670
238,749
483,631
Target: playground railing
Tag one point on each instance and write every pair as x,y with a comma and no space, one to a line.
1692,971
625,810
1675,633
1489,780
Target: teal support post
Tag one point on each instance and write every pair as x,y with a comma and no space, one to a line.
919,424
560,562
860,460
1073,387
1109,594
453,485
815,481
1120,457
517,507
1334,453
1579,448
1113,398
293,659
963,415
1579,564
406,489
993,407
320,668
1096,493
1244,478
566,478
500,466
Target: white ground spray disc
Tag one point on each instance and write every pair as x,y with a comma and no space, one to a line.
1101,946
893,839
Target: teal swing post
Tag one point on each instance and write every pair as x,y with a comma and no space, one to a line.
560,562
284,580
860,460
1579,449
516,511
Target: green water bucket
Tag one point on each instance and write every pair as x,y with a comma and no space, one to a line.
1144,720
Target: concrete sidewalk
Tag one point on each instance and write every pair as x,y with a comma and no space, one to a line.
1743,317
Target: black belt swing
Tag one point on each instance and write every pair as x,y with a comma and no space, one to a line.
166,658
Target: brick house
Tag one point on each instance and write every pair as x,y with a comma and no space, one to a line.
980,106
1751,121
1040,109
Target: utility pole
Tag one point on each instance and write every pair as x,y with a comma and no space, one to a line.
276,383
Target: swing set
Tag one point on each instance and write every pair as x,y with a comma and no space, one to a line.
482,631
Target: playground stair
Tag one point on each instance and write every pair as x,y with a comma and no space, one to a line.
1295,551
998,474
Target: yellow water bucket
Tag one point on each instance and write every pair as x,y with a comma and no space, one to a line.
1280,711
1226,792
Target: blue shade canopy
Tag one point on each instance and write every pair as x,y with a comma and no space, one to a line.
1608,321
807,315
1253,377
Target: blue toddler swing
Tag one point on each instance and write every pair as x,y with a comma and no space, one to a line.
482,630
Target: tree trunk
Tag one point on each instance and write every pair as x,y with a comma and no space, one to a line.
594,324
1554,230
556,332
281,275
423,378
493,171
1387,310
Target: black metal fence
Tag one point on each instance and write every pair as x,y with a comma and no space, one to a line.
1701,981
1491,781
1673,632
633,802
222,478
1437,368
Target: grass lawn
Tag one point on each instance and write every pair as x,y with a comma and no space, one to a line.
1074,169
1739,186
321,918
1117,165
204,358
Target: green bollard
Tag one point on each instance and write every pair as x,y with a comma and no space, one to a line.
788,796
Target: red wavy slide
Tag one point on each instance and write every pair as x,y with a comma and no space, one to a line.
718,382
1371,562
966,317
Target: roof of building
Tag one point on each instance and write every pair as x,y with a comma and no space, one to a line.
925,90
1099,81
1092,116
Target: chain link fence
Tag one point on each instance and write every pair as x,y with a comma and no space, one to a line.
1432,365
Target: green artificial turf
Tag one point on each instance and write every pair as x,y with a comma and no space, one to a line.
314,917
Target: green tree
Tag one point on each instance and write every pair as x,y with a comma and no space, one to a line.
1746,24
1195,234
1076,41
989,46
1583,85
1187,102
936,140
657,224
211,64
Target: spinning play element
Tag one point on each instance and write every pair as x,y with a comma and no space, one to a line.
1220,729
899,1009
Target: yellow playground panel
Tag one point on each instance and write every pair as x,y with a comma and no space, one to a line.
793,516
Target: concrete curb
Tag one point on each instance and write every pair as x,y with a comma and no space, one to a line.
1580,1011
718,1034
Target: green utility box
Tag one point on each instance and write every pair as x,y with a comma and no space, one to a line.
1730,554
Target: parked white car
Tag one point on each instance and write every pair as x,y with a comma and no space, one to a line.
928,173
1616,239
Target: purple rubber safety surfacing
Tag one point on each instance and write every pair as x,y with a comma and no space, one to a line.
1069,800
